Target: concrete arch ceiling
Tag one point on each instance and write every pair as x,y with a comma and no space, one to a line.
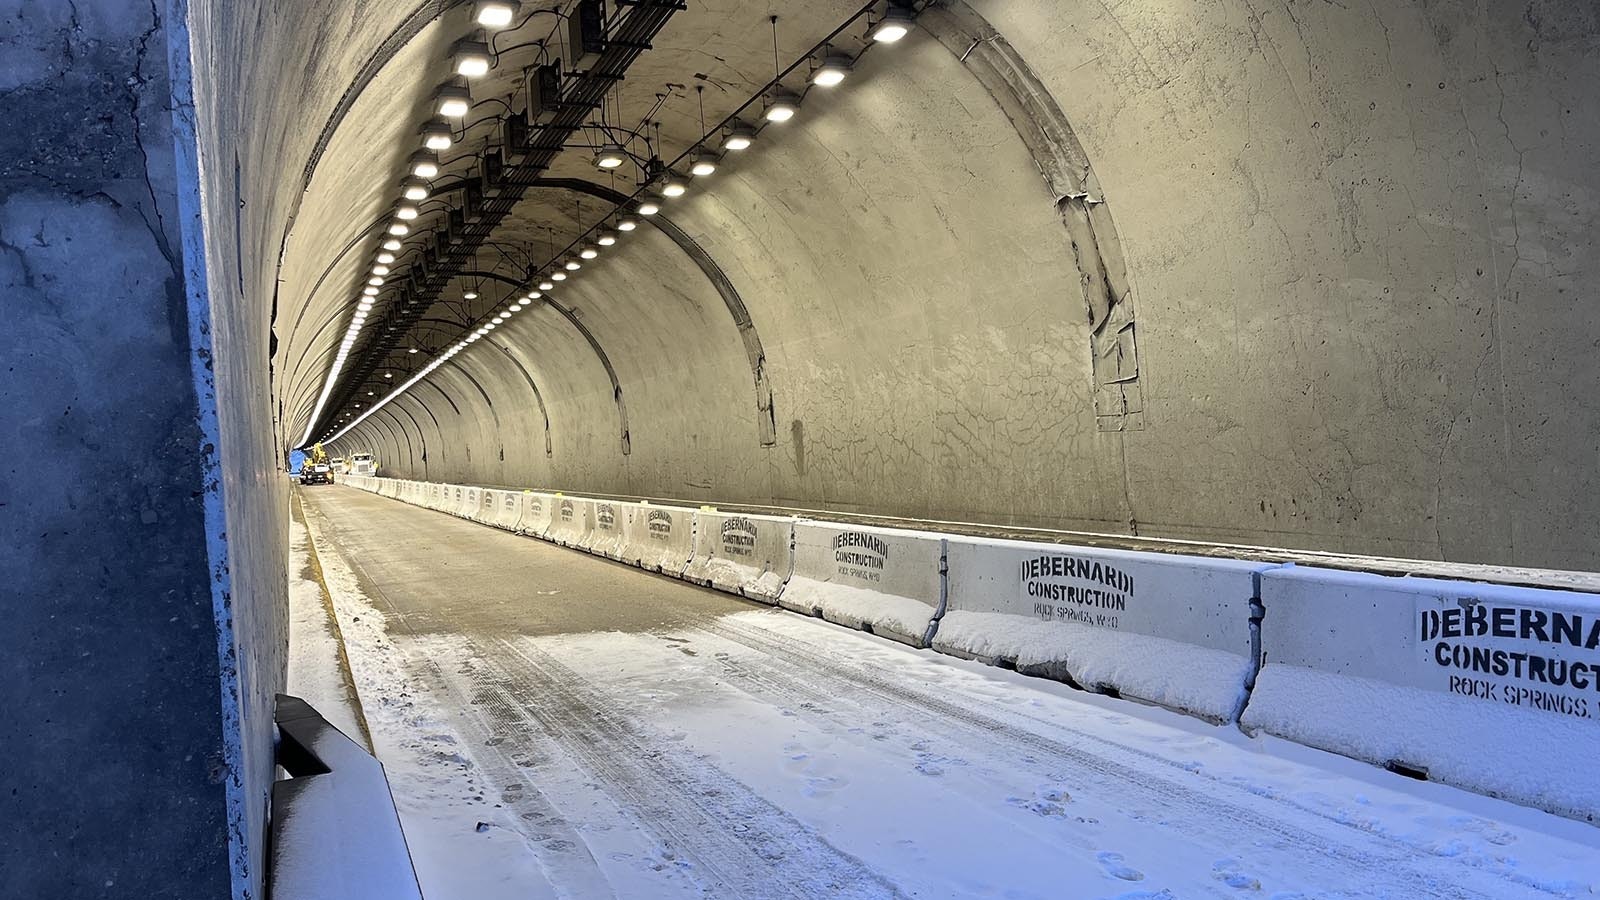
1231,271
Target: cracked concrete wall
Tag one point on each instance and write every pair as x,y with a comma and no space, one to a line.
1360,243
144,574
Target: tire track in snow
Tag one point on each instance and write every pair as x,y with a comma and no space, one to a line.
794,670
740,844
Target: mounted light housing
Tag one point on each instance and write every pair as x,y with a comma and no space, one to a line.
739,136
627,223
649,205
495,13
589,252
425,164
673,186
452,100
606,238
705,162
610,156
436,135
831,69
470,58
782,104
895,24
414,189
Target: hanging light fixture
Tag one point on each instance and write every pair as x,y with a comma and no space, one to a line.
606,238
470,58
831,69
705,162
571,265
386,258
469,295
673,186
739,136
399,229
414,189
436,135
627,223
782,104
406,210
494,13
375,280
364,306
558,276
392,244
895,24
380,269
589,252
412,350
532,296
370,291
424,164
611,156
649,205
545,285
452,100
497,320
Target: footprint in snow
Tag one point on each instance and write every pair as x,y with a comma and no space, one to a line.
1112,863
1227,872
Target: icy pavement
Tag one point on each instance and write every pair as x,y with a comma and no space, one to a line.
759,753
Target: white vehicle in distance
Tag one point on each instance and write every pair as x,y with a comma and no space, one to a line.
363,464
338,464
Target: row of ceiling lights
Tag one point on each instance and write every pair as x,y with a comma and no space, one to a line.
471,59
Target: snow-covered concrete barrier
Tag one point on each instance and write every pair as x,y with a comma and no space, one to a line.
1488,687
658,538
536,512
748,555
883,580
1173,630
606,537
571,522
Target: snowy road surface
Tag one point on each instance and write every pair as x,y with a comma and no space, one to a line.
556,725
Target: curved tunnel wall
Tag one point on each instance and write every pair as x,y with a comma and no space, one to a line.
1352,256
1357,248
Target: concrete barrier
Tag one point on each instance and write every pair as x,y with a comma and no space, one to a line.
488,504
436,496
658,538
606,536
455,499
507,510
388,487
1177,631
571,522
537,510
886,581
471,499
742,554
1488,687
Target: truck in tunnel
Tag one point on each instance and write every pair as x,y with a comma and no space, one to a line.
846,448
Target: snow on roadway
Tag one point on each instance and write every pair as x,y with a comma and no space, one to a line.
767,754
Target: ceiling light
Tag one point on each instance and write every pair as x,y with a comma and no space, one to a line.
781,105
558,276
572,265
374,281
370,291
610,156
424,164
606,238
546,285
894,25
371,394
497,320
407,211
831,70
436,135
515,307
388,374
589,252
386,258
532,296
470,58
649,205
364,305
392,244
452,100
380,269
492,326
673,187
739,137
705,162
399,229
494,13
412,350
627,223
469,295
414,189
